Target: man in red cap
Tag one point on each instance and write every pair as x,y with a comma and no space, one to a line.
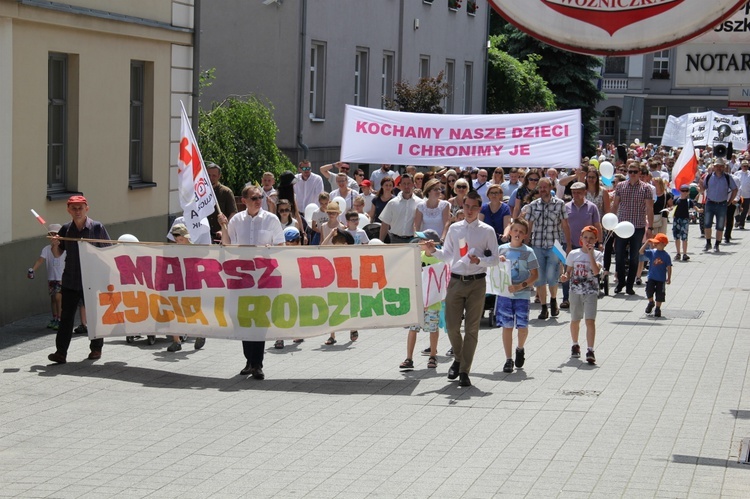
81,227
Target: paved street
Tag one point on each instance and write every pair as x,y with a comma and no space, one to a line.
662,414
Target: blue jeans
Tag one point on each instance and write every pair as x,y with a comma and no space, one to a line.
628,249
549,267
718,210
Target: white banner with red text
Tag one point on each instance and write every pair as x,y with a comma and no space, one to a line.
249,293
551,139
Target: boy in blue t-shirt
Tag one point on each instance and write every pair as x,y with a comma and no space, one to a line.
659,272
510,312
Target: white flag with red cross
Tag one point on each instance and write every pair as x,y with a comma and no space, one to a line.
196,194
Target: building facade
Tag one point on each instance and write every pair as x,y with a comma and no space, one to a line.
89,104
309,58
642,92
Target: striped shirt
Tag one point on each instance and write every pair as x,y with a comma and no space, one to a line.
547,221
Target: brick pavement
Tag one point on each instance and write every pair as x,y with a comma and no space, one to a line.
661,415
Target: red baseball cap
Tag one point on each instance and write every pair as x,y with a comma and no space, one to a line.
366,183
77,199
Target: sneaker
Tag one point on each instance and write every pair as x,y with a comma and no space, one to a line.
575,351
426,352
199,342
590,357
51,324
174,347
82,329
554,311
565,304
279,344
678,256
657,312
685,258
56,325
449,353
650,307
508,367
520,357
544,314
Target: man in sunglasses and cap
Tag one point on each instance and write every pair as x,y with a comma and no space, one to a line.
81,227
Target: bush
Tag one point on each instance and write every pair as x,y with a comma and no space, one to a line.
239,135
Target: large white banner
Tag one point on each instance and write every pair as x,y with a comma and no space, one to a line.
550,139
706,129
249,293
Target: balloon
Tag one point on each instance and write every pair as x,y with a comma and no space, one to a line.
342,204
607,181
363,220
310,209
376,241
624,230
607,169
637,142
594,162
128,238
609,221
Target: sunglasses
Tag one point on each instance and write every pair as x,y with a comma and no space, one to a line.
285,211
254,198
461,187
306,169
633,172
359,174
344,169
533,179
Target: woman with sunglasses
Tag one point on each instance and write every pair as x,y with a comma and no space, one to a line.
284,212
498,176
595,193
457,201
450,187
518,199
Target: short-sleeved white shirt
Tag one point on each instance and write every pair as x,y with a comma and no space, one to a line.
260,230
55,265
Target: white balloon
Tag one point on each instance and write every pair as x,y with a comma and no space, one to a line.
128,238
342,204
637,142
310,209
609,221
363,220
376,241
606,169
625,230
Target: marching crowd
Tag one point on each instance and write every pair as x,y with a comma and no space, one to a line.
472,219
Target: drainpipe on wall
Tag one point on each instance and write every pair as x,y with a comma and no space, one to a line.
400,40
196,64
301,82
486,62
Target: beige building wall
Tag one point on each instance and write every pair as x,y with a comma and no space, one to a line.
100,48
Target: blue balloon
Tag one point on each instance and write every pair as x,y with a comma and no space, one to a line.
607,181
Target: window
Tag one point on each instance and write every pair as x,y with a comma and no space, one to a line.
450,79
607,122
386,78
137,96
360,77
658,120
424,66
57,122
317,80
614,64
661,65
468,83
698,109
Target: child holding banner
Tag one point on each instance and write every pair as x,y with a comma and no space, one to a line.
431,313
514,312
582,266
338,236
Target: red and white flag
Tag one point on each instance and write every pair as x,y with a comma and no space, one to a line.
196,194
686,165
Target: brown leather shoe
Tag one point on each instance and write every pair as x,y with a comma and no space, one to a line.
57,358
95,355
257,373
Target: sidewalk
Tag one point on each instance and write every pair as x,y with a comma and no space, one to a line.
662,413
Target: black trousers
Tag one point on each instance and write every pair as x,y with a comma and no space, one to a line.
70,300
627,249
254,352
731,209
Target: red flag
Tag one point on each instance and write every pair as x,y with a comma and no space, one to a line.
686,166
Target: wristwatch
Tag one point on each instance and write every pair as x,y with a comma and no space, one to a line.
650,228
524,284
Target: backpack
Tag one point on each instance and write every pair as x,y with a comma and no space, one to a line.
726,177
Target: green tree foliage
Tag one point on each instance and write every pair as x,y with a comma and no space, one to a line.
571,77
426,96
514,86
239,135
